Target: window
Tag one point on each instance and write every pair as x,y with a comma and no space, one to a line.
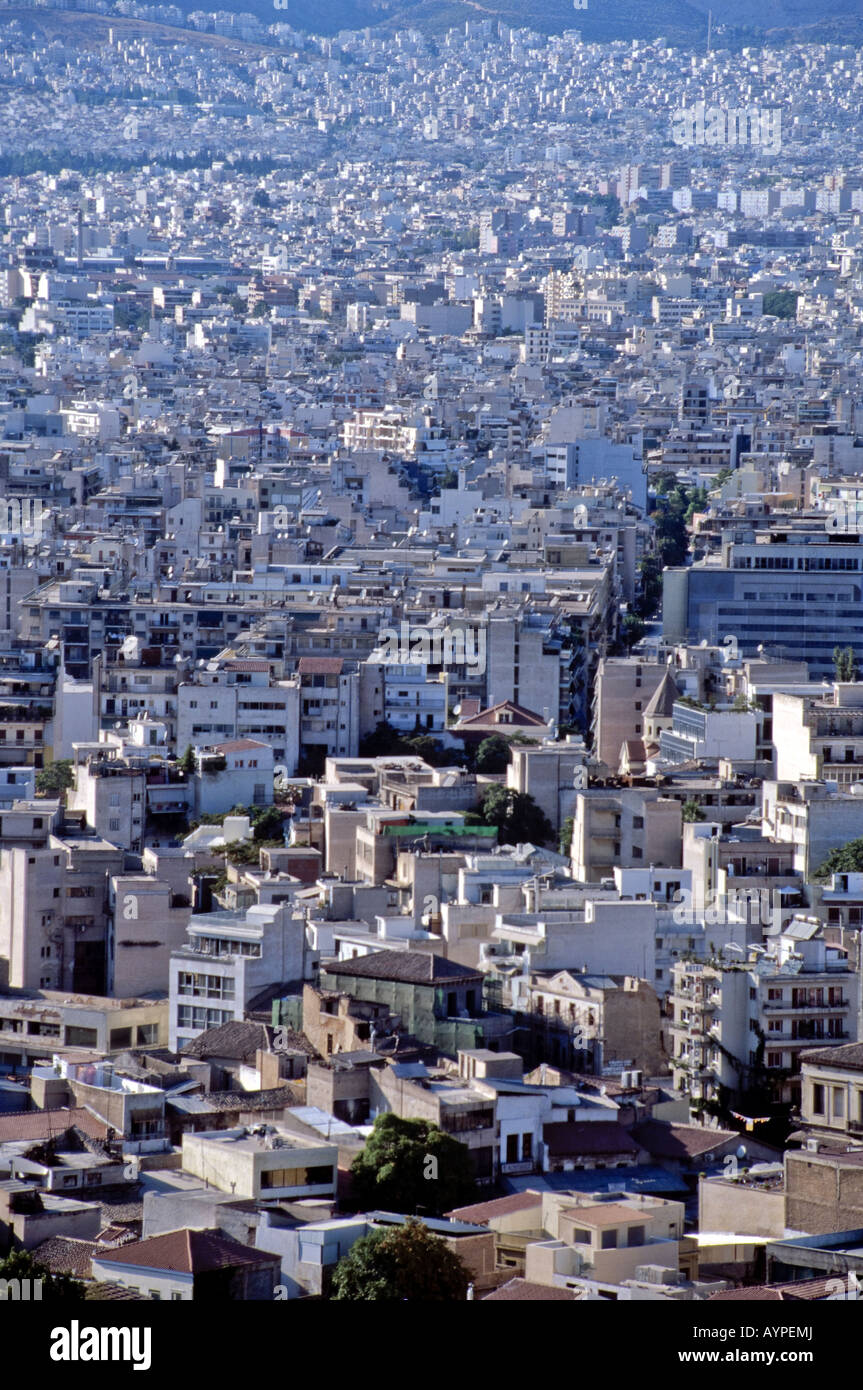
817,1100
609,1240
839,1102
297,1177
635,1235
580,1236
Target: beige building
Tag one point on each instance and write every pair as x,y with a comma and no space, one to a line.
54,923
150,922
271,1162
604,1242
624,689
41,1023
820,737
551,774
832,1091
629,827
589,1022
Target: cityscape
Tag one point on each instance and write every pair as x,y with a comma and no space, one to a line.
431,662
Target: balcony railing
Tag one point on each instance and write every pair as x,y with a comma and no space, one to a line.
786,1007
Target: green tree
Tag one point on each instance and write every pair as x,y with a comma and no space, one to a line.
566,832
267,823
782,304
632,629
408,1164
55,779
188,762
650,574
493,754
692,811
845,664
405,1263
19,1264
847,859
386,741
518,818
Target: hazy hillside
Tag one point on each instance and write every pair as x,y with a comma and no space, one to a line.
681,21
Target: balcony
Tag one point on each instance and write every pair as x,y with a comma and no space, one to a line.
783,1006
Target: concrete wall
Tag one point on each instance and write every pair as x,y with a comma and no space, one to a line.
823,1193
738,1209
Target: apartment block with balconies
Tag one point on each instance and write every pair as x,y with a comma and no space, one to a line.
735,1022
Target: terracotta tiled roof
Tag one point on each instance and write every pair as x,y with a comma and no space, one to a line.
64,1255
43,1124
589,1137
187,1252
523,1291
482,1212
680,1141
851,1055
520,716
236,1040
409,967
320,665
801,1291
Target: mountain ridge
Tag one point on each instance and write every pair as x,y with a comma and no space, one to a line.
682,22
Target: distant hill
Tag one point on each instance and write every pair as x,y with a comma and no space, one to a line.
681,21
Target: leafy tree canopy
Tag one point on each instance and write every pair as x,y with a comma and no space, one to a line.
406,1263
411,1164
54,779
493,754
847,859
518,818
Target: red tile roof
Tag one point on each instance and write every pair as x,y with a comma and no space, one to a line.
520,716
482,1212
801,1291
589,1137
43,1124
320,665
523,1291
187,1252
680,1141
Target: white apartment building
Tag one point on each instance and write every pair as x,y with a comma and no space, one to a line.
230,956
237,699
734,1022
